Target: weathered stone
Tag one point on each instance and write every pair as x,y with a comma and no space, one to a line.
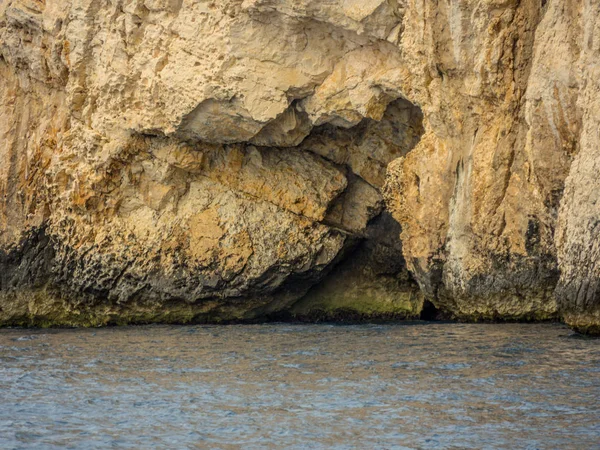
504,95
188,161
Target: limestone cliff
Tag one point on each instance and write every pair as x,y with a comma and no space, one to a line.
179,160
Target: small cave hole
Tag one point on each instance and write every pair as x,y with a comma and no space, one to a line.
429,311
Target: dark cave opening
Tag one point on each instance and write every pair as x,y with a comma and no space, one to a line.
369,280
429,312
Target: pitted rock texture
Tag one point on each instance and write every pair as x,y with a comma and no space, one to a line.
192,161
179,160
508,104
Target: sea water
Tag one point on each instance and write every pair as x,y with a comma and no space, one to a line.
422,385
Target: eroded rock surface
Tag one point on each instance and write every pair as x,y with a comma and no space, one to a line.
185,160
507,99
191,161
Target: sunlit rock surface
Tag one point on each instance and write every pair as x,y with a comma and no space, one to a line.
207,161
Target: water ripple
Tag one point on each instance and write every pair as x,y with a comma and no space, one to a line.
304,387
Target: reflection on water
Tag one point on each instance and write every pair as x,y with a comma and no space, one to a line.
300,386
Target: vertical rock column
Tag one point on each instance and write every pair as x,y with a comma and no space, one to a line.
578,233
476,229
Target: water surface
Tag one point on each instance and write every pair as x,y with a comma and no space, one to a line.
300,386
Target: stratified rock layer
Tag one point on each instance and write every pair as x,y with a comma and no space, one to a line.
181,161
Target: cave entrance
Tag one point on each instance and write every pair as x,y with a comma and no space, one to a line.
369,279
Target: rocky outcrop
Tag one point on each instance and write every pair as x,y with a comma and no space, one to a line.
182,161
504,135
578,232
476,212
194,161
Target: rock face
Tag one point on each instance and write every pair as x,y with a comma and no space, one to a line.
507,101
179,161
